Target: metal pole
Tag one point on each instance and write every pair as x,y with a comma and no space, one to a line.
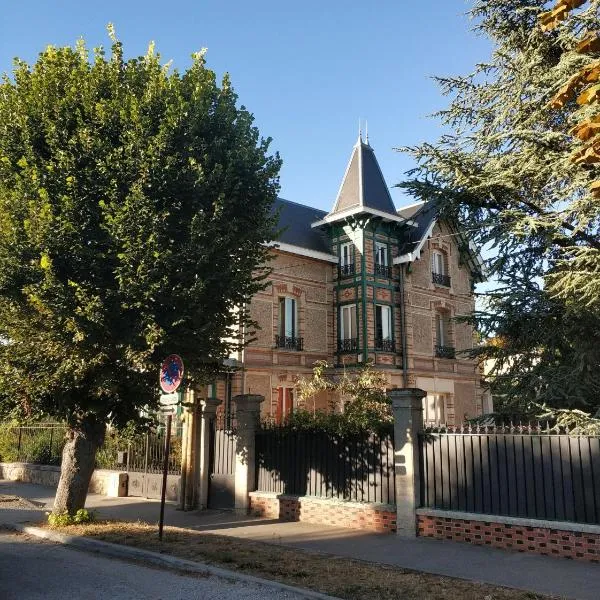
146,463
19,444
164,481
51,432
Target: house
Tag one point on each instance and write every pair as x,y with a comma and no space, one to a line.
365,281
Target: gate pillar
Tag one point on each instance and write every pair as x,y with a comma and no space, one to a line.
407,405
206,415
247,412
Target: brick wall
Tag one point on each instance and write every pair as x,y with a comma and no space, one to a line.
322,511
579,545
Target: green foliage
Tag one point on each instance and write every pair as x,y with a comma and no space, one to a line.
64,519
39,446
504,172
358,400
135,202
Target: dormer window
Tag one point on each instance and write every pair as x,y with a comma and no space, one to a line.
382,267
438,269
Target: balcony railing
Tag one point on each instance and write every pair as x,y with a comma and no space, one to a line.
348,345
445,352
289,343
385,345
440,279
347,270
383,271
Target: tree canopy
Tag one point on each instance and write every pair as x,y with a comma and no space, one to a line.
135,204
506,170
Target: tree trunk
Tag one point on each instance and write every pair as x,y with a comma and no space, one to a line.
78,462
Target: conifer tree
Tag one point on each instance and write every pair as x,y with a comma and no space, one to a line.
508,171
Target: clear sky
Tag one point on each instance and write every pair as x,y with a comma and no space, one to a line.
307,70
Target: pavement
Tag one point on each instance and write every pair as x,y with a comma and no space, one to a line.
538,574
95,577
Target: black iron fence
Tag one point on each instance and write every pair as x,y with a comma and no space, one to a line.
39,444
43,444
348,345
317,463
289,343
440,279
347,270
513,471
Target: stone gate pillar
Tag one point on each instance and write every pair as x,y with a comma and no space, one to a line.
247,414
206,415
407,405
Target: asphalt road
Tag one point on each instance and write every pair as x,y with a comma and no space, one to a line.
32,569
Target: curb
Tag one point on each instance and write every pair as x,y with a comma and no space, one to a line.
165,561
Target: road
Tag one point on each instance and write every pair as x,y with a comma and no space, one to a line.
32,569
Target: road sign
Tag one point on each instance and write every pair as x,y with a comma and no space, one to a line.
171,373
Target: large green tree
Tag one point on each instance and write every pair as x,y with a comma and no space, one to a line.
135,203
504,170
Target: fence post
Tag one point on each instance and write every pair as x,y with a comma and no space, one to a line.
408,422
206,416
247,415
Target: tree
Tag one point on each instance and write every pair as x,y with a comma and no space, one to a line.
507,170
135,205
358,401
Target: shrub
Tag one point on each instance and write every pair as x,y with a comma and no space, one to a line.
64,519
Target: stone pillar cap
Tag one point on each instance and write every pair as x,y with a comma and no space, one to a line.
248,401
209,405
407,397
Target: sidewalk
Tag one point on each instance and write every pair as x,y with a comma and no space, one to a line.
540,574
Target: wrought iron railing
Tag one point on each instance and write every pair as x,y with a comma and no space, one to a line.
385,345
348,345
440,279
383,271
445,352
347,270
289,343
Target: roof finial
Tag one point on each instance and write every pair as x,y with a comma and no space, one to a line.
366,132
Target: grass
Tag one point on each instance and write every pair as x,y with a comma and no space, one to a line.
340,577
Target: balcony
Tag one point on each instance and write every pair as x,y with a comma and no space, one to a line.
445,352
289,343
348,345
347,270
385,345
383,271
440,279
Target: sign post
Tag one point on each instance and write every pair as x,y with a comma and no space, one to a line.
171,374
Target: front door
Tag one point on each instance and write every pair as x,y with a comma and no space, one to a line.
285,404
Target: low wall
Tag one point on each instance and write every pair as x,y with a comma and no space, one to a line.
103,480
324,511
549,538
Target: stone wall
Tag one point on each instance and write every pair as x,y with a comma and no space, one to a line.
103,481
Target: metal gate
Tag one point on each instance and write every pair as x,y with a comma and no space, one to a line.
145,460
221,489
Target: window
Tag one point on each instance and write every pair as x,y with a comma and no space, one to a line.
381,254
382,267
346,259
438,269
285,404
348,337
383,328
433,409
288,326
437,263
287,317
443,348
346,254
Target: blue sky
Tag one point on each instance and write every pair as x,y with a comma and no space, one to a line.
307,70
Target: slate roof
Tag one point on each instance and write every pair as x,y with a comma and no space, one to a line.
363,184
422,214
295,222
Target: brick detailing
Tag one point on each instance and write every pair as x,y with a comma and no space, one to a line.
352,515
537,540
